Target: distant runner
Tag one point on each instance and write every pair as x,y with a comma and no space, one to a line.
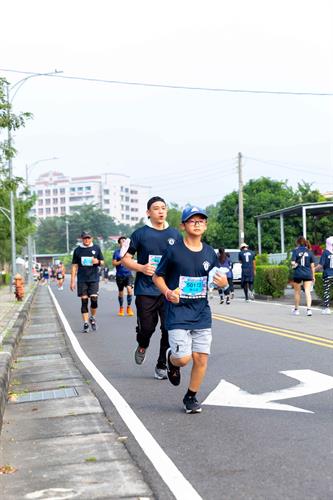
149,243
304,273
326,264
124,279
87,258
247,258
60,275
182,277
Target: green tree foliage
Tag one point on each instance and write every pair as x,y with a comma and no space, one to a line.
174,216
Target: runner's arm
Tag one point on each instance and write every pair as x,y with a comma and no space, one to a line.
170,295
131,264
73,276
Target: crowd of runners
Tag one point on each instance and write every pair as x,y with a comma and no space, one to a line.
174,273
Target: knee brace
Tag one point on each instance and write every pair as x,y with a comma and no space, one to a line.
93,302
84,306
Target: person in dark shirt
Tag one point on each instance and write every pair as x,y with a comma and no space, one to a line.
182,277
326,264
247,259
124,279
224,260
304,273
87,258
148,243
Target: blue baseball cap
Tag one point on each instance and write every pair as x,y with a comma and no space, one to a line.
192,210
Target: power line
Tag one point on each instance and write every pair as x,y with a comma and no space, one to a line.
176,87
289,166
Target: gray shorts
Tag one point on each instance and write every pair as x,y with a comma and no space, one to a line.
184,342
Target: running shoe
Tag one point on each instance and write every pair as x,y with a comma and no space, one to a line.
92,322
129,311
295,312
308,312
85,328
222,301
326,310
232,295
251,295
139,355
228,301
173,371
160,373
121,312
191,404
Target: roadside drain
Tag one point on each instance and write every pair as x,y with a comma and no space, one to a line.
39,356
68,392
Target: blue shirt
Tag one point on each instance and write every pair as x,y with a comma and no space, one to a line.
326,260
87,271
303,258
149,244
187,270
229,265
121,270
246,258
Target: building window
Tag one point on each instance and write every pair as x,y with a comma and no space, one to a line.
62,200
106,191
127,208
63,210
55,210
80,189
40,203
106,202
55,191
40,211
127,217
133,191
134,200
88,188
62,190
55,201
48,211
47,192
127,198
72,190
40,192
47,201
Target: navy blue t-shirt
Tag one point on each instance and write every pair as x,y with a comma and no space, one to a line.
87,271
246,258
187,270
303,258
121,270
149,244
326,260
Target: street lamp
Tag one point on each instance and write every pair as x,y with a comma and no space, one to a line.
16,86
28,169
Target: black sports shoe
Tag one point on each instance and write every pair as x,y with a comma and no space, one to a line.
191,404
139,355
92,322
228,300
85,328
173,371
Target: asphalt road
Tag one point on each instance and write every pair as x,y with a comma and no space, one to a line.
226,452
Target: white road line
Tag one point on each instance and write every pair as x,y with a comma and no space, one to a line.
171,475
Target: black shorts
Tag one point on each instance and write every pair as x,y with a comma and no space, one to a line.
87,288
300,280
123,281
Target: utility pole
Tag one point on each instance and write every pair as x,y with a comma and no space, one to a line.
240,202
12,198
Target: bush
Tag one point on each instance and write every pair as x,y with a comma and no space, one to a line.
318,287
262,259
4,278
271,280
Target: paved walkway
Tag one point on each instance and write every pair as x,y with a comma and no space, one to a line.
56,441
9,309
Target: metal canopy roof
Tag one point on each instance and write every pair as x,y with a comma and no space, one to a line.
320,208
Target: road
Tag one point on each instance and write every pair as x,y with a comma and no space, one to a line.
238,447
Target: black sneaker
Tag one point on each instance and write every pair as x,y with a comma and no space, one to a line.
228,301
139,355
173,371
92,322
191,404
221,301
85,328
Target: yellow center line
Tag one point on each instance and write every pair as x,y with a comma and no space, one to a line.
304,337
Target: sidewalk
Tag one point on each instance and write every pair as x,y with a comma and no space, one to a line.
56,441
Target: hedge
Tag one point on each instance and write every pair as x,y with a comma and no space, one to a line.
271,280
318,287
4,278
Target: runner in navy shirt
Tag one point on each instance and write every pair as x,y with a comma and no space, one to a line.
303,266
247,259
326,264
182,276
86,259
124,279
149,243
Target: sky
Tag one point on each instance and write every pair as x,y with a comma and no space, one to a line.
183,142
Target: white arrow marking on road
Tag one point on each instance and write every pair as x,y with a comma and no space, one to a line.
311,382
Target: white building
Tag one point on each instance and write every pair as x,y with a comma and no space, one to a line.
58,194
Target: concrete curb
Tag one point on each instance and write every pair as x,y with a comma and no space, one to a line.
9,345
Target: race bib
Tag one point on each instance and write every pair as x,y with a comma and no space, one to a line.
193,287
86,261
154,260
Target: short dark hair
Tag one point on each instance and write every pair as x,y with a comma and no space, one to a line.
153,200
121,238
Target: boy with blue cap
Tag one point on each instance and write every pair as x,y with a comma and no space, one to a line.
182,276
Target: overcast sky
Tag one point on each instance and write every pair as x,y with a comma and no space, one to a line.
182,142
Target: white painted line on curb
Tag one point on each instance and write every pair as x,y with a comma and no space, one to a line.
171,475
